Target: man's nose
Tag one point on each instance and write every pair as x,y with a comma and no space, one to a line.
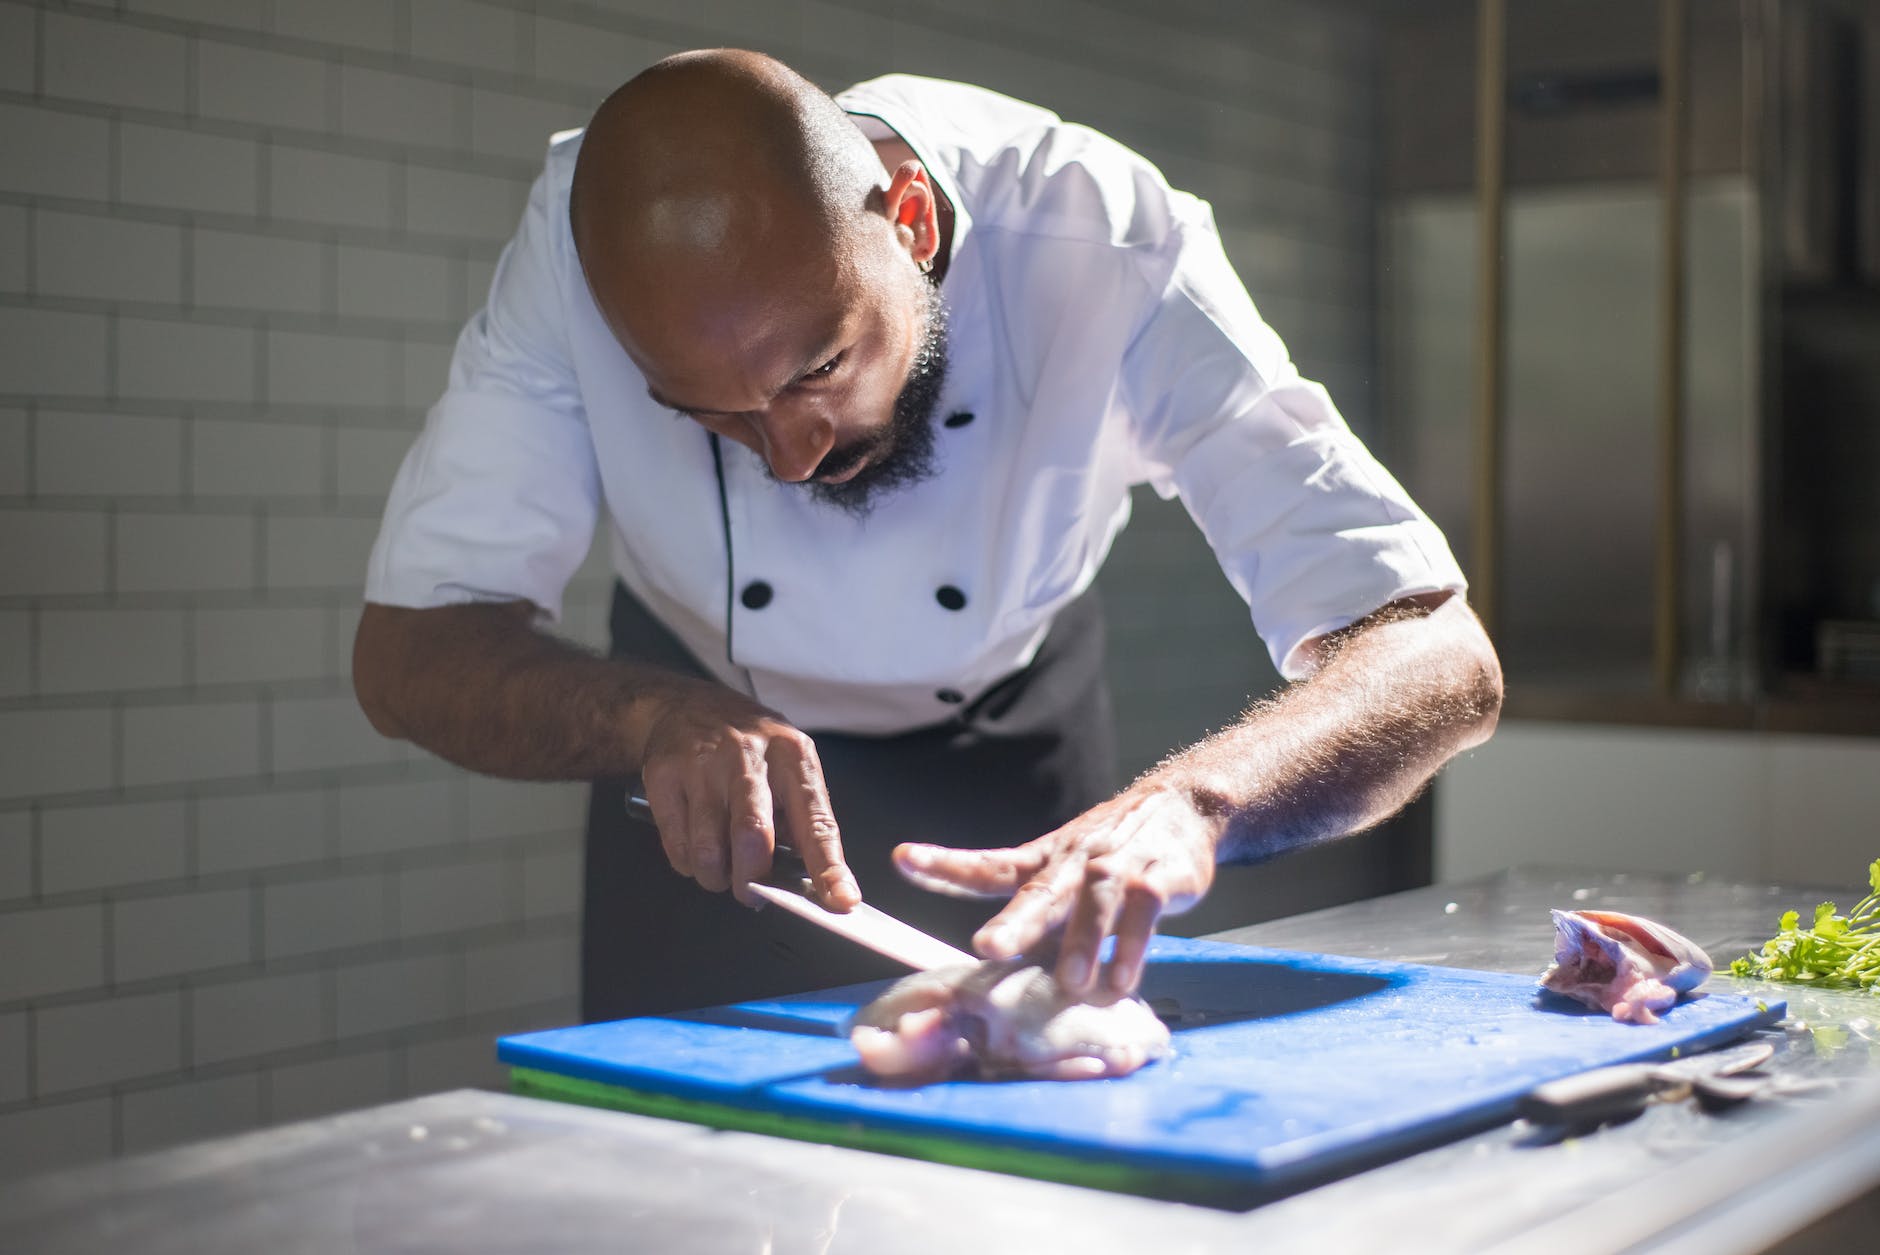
795,443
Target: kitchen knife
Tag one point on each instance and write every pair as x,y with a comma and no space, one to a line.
788,886
1612,1093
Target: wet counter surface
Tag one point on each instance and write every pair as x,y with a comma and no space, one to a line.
470,1172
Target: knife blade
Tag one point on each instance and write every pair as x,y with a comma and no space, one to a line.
788,886
1603,1094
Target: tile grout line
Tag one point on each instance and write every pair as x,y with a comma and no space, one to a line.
31,216
264,735
191,71
191,858
257,917
185,1028
39,52
34,650
35,827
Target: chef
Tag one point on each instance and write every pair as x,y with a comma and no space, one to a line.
861,386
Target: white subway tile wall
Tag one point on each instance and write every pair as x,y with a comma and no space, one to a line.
51,352
46,151
259,1016
17,52
196,932
236,243
13,1054
97,1043
116,844
301,1090
149,1118
13,449
16,855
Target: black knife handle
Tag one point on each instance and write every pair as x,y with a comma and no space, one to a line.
1591,1097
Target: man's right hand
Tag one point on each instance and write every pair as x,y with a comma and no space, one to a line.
727,780
478,685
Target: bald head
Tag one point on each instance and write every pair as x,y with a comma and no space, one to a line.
717,169
756,259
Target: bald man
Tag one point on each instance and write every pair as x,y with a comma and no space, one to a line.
862,385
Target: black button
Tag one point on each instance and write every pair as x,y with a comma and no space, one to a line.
959,418
951,697
756,595
950,597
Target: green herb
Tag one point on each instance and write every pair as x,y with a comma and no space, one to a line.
1836,952
1828,1038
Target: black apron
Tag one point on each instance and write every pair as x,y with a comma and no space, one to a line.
1031,753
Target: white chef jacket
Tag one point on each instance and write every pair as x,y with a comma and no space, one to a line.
1098,339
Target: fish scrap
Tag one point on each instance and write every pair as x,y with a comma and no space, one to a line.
998,1020
1629,966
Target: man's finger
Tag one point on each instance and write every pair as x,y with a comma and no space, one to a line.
967,873
753,832
802,798
1143,902
669,819
706,837
1038,906
1092,916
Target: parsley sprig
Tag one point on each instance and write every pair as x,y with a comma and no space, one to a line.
1836,952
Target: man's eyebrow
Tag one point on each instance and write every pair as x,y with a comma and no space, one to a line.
825,350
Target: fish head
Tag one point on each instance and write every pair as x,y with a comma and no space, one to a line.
1595,945
1580,943
1680,962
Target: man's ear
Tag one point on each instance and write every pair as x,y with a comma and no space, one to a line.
910,205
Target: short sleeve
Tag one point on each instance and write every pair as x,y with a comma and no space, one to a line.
1310,529
498,498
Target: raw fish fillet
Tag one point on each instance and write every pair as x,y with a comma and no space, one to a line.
1002,1019
1624,964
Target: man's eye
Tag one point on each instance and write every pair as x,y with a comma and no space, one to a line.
827,369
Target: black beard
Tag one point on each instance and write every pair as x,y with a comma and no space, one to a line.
902,452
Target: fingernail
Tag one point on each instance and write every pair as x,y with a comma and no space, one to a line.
1076,971
995,940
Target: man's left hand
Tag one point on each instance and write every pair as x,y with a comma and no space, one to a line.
1116,869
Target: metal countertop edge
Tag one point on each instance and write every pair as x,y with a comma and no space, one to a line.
1742,1198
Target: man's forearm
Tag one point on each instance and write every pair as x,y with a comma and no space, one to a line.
1396,698
479,686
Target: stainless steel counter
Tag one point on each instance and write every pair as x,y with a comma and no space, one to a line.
469,1172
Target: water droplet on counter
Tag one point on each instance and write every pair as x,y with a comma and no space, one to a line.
418,1133
1581,895
1450,908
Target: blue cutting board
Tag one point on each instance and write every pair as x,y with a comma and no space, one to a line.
1286,1065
